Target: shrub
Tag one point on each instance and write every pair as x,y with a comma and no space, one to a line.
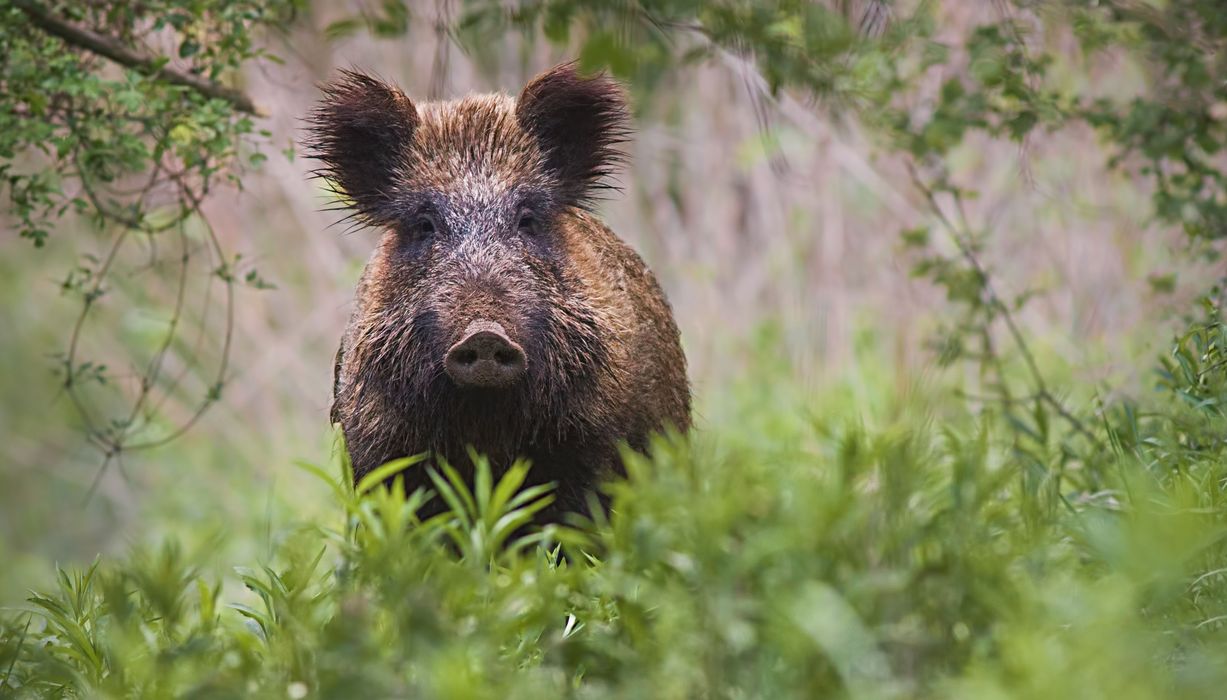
799,554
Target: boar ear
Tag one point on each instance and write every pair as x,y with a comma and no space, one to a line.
579,122
359,132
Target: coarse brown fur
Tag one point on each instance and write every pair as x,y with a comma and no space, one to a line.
483,202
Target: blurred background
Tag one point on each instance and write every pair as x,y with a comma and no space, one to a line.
772,222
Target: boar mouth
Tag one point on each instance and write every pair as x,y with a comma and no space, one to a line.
485,357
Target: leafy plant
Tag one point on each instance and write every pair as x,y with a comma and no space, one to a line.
892,557
99,128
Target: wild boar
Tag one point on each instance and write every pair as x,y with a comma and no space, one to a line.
497,311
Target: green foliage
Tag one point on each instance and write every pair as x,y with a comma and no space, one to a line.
804,553
1175,134
1196,371
1005,90
97,129
1046,544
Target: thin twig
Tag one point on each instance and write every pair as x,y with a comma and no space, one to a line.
127,225
113,443
112,49
151,375
111,452
957,235
228,337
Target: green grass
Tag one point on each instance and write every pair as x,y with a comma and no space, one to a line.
861,541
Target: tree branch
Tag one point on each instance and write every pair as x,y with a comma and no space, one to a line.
961,237
110,48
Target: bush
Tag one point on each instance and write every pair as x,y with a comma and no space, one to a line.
798,554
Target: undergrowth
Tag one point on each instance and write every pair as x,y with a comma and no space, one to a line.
914,552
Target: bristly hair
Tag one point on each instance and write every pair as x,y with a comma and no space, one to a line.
579,123
359,132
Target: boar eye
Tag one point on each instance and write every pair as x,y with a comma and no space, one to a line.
422,227
527,223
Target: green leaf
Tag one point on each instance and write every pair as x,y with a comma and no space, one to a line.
382,473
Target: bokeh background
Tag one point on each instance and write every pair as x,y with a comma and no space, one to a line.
770,221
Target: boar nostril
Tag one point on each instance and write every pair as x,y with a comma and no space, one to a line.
466,356
485,357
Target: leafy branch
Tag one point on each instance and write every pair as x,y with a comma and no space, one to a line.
134,155
108,47
960,235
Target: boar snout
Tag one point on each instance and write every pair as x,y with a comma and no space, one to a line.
485,358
